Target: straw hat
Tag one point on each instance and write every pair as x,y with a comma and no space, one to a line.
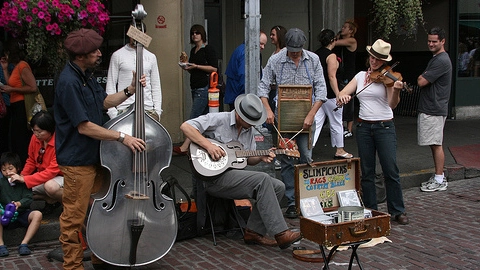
380,50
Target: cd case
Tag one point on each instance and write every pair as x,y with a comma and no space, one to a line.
348,198
311,209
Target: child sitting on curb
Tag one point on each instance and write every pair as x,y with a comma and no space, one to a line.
21,197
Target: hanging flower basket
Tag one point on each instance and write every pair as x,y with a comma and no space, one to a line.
400,17
44,25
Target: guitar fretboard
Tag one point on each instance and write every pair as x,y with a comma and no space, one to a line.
255,153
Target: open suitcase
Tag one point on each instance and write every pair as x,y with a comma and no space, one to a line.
324,180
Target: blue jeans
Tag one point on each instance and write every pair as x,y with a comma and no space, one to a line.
379,138
199,102
288,169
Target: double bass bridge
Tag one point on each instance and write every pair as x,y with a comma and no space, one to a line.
135,195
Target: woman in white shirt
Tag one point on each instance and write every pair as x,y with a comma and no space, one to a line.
376,130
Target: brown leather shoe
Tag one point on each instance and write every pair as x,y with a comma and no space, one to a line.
253,238
286,238
402,219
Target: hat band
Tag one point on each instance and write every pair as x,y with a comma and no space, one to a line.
378,55
247,115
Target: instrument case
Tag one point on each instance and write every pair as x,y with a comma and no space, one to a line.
324,180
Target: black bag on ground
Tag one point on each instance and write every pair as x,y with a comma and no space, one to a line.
186,218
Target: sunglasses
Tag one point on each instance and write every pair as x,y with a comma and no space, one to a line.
41,152
195,33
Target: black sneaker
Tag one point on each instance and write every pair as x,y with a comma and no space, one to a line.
50,207
291,212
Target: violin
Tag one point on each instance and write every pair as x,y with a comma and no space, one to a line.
385,76
388,77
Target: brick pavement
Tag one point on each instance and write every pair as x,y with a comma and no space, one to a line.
442,234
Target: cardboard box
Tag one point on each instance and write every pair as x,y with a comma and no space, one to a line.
324,180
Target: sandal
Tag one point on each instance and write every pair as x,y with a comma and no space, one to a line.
344,156
24,250
3,251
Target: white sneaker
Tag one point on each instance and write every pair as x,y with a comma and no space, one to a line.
347,134
435,186
432,180
278,165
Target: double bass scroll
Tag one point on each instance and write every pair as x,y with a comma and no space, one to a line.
133,223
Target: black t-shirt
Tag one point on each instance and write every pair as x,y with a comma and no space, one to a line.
323,53
346,69
205,56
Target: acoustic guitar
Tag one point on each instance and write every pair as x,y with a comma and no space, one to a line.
235,157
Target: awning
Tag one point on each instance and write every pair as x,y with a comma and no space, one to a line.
475,24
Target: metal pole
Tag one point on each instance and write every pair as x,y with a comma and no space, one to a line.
252,45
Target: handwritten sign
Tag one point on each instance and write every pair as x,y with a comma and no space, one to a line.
139,36
325,179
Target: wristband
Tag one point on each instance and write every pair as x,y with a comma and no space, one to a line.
128,94
121,137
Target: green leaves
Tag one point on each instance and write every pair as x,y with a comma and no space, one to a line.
401,17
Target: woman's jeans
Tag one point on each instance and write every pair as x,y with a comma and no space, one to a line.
379,138
199,102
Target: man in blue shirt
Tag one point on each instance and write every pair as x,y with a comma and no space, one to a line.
79,104
236,72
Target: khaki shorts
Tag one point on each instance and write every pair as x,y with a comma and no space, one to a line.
40,189
430,129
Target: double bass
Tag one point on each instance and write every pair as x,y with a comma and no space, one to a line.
131,223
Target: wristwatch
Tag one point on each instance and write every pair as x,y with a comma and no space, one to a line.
121,137
128,94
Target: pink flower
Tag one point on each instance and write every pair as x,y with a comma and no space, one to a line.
47,19
75,3
82,14
41,5
28,18
34,11
41,14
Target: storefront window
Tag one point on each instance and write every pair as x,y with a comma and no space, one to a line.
468,58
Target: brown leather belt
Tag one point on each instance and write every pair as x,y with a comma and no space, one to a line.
374,122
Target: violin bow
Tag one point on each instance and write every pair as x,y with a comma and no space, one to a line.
379,75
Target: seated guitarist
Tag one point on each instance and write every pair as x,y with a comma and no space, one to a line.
266,192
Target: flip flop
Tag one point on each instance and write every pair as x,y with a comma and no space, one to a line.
344,156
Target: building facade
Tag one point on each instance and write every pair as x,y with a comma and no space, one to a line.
168,23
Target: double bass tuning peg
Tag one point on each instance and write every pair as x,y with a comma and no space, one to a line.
139,13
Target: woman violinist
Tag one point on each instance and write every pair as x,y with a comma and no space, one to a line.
376,130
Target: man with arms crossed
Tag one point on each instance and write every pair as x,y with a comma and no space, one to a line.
435,83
